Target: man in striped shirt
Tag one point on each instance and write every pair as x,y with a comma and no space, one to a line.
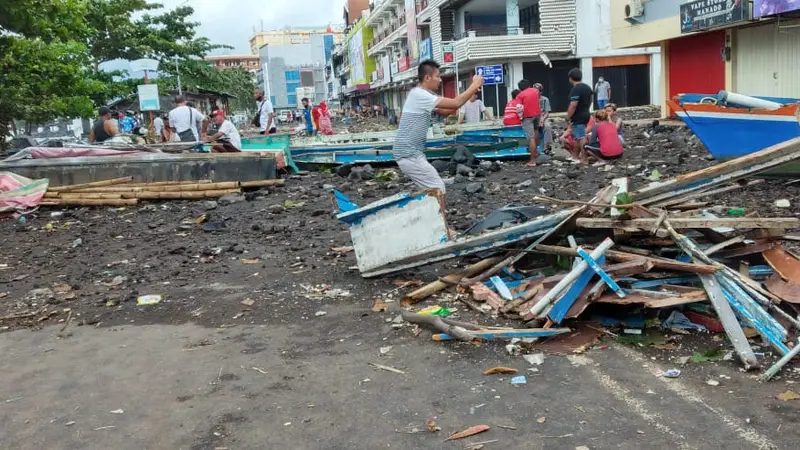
412,133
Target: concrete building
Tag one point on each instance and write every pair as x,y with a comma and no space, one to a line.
246,62
287,67
353,10
710,45
294,35
634,73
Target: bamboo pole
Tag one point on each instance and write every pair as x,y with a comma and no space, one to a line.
89,202
168,183
262,183
89,195
93,184
439,285
179,195
168,188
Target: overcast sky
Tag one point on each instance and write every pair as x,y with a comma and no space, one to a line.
231,22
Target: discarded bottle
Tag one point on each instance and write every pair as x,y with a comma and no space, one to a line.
737,212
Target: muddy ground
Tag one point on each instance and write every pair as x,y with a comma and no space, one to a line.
250,297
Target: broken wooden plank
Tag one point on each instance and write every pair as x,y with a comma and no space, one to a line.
506,334
660,263
784,264
717,247
655,303
745,250
727,171
600,272
787,291
553,293
704,193
729,321
565,302
437,286
739,223
529,294
482,293
629,268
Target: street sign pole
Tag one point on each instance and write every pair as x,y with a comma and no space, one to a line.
458,83
497,99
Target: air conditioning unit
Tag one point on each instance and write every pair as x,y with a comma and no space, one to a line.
634,11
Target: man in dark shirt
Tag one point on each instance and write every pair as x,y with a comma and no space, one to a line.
580,100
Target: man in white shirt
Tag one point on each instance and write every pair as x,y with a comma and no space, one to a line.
409,144
158,126
265,117
473,111
185,121
228,136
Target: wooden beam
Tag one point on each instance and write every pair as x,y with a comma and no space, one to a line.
660,263
702,222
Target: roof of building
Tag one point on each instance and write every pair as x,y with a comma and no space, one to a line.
219,57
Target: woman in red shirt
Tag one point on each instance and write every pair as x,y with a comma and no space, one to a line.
513,112
608,140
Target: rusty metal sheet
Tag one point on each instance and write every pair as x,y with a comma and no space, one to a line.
786,265
788,291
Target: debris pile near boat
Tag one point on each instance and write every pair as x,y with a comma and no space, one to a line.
625,260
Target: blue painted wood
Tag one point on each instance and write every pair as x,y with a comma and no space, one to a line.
532,333
501,287
561,307
749,310
602,273
655,283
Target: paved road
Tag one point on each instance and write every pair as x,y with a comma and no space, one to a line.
308,385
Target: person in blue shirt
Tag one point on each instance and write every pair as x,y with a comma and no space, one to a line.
126,123
309,120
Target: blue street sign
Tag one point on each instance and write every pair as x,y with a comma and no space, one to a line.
491,74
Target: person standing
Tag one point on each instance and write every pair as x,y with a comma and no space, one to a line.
185,120
227,134
602,91
104,128
125,123
158,127
409,144
531,111
474,111
324,123
512,115
580,102
265,117
545,124
308,117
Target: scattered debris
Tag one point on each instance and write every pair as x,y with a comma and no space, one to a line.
144,300
788,396
534,359
471,431
783,203
519,380
671,373
500,370
320,313
431,426
386,368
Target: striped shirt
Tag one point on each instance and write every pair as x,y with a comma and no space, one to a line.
412,133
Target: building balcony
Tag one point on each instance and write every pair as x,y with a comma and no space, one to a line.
395,35
504,43
382,11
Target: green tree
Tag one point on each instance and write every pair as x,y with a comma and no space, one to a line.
197,74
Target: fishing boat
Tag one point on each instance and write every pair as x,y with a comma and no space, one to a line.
481,150
731,125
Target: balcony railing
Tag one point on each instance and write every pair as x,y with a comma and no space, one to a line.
489,31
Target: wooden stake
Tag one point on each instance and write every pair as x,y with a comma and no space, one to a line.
73,187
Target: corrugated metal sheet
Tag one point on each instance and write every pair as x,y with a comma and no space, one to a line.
767,60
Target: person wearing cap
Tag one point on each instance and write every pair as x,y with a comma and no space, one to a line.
545,124
228,136
104,128
473,111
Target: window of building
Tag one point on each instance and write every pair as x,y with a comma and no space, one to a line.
292,99
307,78
529,20
290,87
292,75
272,99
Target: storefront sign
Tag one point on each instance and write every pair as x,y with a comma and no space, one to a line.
425,49
393,68
763,8
448,53
704,14
148,97
411,26
402,64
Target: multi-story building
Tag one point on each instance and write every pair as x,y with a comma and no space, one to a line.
709,45
353,9
294,35
287,67
246,62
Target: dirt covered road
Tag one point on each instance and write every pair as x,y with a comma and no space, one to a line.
265,333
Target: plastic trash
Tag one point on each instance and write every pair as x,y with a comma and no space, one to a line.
672,373
519,380
144,300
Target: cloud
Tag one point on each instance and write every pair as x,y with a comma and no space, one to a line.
231,22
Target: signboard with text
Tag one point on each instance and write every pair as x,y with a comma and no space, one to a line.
402,64
448,53
491,74
704,14
411,26
425,49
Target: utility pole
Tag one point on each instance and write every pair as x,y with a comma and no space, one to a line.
178,71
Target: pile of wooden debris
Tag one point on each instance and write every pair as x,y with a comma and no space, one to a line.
656,253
